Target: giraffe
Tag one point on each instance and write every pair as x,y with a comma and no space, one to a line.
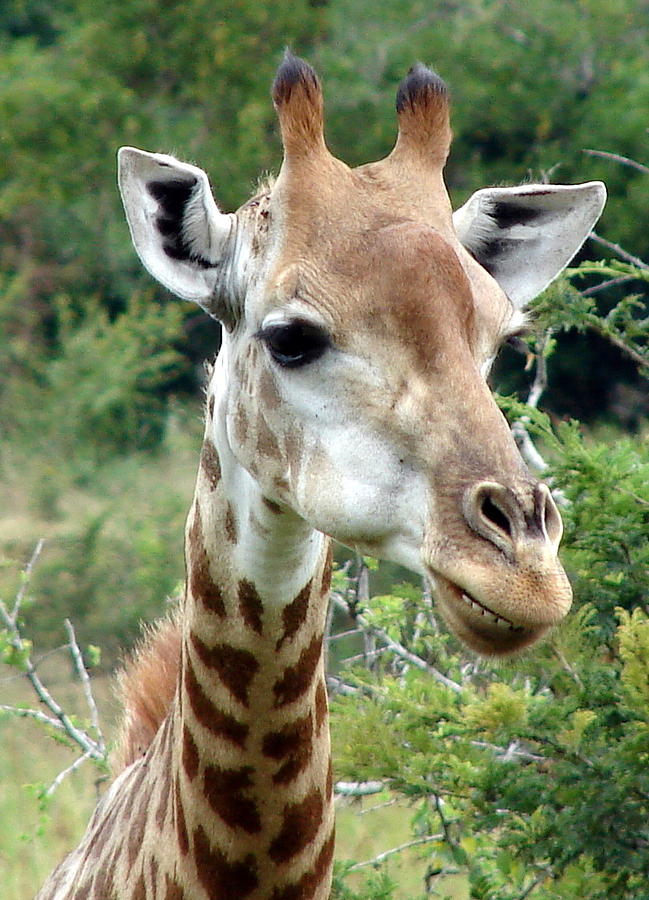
348,401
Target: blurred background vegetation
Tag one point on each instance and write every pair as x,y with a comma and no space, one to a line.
101,373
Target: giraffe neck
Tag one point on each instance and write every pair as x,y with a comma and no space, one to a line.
252,795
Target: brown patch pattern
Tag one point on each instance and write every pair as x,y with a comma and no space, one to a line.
210,407
330,779
306,887
230,524
268,394
293,741
210,463
241,424
266,441
136,829
190,754
236,668
321,705
225,792
250,605
300,824
325,584
219,723
222,879
272,506
163,804
201,582
296,680
173,890
179,817
294,614
139,891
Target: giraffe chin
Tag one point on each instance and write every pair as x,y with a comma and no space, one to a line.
478,626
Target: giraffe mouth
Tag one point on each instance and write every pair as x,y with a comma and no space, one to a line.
479,626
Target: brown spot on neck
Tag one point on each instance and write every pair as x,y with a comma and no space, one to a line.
272,506
306,887
225,790
296,680
222,879
294,614
250,606
179,819
292,743
210,463
300,824
219,723
201,583
235,667
190,754
230,524
173,890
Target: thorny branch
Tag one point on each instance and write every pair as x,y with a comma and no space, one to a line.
358,788
377,860
397,648
82,672
525,443
632,163
92,747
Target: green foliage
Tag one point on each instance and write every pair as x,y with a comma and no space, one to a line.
99,393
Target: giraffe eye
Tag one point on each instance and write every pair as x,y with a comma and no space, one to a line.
295,343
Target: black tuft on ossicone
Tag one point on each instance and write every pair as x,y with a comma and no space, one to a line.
292,71
417,86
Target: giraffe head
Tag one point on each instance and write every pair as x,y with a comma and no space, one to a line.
361,317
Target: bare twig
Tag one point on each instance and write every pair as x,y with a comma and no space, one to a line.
543,874
358,788
611,282
619,251
616,157
76,734
27,574
565,665
513,751
64,774
82,672
398,648
92,749
337,686
24,713
377,860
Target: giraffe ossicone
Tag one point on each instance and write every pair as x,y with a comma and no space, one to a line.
348,401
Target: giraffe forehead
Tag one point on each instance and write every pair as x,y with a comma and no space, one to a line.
398,282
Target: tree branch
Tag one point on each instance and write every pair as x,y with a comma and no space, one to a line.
398,648
377,860
621,159
64,774
358,788
82,672
619,251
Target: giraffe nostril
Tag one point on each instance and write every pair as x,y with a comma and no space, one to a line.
495,516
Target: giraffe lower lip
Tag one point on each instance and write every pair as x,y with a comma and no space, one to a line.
476,624
489,615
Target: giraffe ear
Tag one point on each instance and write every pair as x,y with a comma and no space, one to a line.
177,229
524,236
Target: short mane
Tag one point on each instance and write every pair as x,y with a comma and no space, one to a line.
146,687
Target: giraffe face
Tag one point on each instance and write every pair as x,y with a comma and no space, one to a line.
361,319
